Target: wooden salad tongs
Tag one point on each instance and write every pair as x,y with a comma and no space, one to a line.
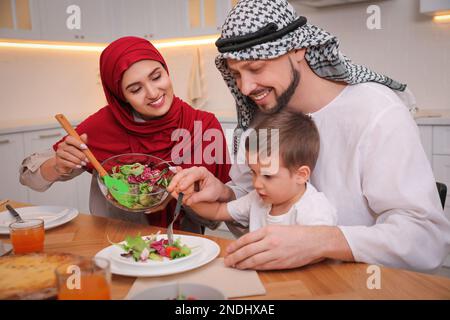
116,187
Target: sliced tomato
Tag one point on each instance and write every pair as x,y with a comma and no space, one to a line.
171,251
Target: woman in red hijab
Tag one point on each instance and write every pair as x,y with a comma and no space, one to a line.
141,115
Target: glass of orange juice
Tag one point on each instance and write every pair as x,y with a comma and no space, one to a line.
85,279
27,236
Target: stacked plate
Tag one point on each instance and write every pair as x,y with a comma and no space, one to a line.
203,251
53,216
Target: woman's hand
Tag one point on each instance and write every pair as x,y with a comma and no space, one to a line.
210,188
69,156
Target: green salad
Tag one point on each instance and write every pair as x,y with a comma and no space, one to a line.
149,248
145,184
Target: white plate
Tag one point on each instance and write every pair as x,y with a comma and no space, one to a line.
53,216
194,243
210,250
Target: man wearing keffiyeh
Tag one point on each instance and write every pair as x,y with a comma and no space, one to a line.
371,164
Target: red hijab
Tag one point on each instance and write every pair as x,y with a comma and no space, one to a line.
113,131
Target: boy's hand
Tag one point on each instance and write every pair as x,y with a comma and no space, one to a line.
210,188
188,192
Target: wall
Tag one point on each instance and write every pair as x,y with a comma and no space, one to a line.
36,84
409,47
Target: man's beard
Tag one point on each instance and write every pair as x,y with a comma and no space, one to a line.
285,97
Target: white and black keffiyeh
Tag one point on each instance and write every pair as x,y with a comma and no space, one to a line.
267,29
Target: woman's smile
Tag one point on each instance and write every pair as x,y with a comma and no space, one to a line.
158,103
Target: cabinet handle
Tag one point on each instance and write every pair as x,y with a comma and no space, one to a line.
4,141
53,135
76,36
82,37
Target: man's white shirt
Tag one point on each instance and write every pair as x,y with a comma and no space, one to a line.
374,171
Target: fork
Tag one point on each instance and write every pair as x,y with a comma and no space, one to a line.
175,216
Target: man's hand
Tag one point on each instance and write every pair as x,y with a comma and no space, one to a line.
285,247
211,188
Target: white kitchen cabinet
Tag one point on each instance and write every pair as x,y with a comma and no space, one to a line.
149,19
206,17
133,18
11,155
19,19
441,168
76,20
14,147
426,135
436,142
106,20
162,19
441,140
170,19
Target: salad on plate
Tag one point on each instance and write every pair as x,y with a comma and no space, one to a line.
143,249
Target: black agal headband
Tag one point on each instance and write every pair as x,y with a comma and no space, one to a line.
265,34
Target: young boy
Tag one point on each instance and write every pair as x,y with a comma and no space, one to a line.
282,193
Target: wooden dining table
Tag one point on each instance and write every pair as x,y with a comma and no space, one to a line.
87,234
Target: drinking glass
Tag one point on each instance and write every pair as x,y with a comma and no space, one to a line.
27,236
85,279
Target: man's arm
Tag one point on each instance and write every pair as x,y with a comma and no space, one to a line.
411,230
284,247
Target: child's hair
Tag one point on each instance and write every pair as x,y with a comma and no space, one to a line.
299,140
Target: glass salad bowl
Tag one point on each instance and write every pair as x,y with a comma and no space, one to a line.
147,178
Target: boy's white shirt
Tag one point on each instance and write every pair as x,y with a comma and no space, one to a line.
374,171
312,208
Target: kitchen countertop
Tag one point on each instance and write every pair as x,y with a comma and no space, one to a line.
31,125
27,126
432,117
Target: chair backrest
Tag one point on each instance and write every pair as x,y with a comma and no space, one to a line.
442,189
